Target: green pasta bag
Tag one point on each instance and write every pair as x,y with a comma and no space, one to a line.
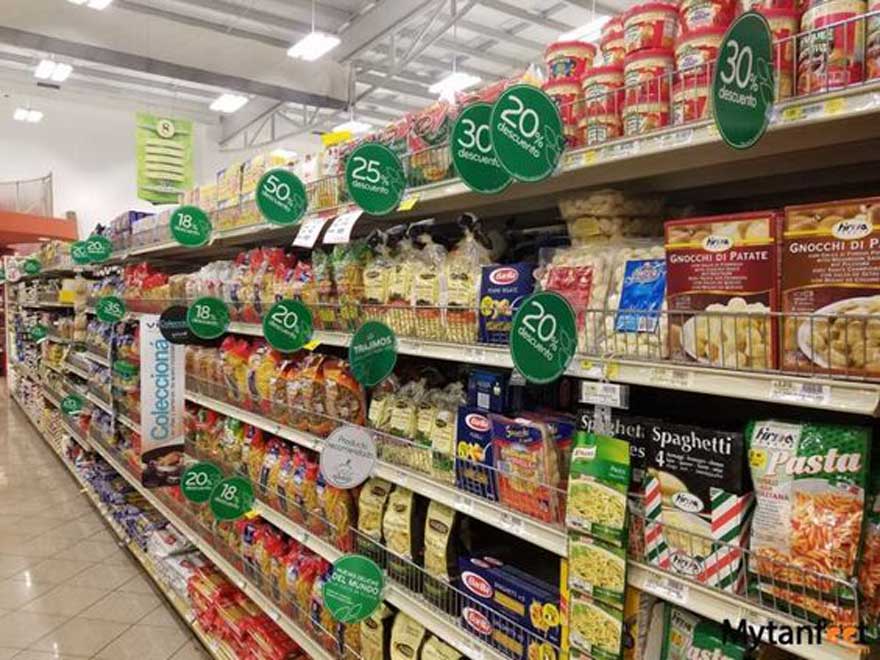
598,482
688,636
596,568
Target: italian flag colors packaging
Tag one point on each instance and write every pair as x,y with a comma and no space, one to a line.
810,483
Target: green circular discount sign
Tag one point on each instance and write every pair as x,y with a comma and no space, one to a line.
472,153
99,249
71,405
190,226
110,309
198,481
231,498
207,318
79,252
38,333
742,86
32,267
354,589
372,353
375,178
544,337
282,197
288,325
527,134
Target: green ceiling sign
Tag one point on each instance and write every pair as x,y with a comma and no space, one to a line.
288,325
110,309
32,267
207,318
198,481
375,178
231,498
472,153
99,249
281,197
543,339
190,226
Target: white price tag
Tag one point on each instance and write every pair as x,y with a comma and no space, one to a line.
795,392
752,617
668,377
512,524
668,588
340,230
605,394
309,231
464,504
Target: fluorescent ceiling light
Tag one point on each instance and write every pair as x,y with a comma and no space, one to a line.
454,82
228,103
77,2
587,32
353,126
286,154
52,70
313,45
28,115
99,4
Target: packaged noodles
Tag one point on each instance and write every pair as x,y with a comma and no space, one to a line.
595,628
596,569
597,486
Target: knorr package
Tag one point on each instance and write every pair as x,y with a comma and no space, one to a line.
688,636
597,486
595,628
810,483
596,568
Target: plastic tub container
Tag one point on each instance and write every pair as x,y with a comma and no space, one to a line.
702,14
573,135
569,97
783,26
646,75
698,49
568,59
833,57
650,26
603,90
601,128
872,56
642,118
612,43
690,98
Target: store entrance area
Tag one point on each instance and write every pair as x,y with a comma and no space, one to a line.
67,590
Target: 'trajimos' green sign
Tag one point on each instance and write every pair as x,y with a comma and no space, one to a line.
288,325
208,318
472,153
190,226
198,481
231,498
354,589
527,133
110,309
543,339
372,353
281,197
742,87
375,178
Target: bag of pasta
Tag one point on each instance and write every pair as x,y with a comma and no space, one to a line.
337,509
372,502
381,403
441,555
378,271
376,633
348,271
810,485
429,290
404,417
463,271
401,315
403,527
254,451
346,399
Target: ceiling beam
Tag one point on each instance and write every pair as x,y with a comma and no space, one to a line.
525,15
482,53
600,7
410,89
248,13
366,30
255,111
504,35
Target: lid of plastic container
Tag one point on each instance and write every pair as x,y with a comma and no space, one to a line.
647,54
562,45
649,6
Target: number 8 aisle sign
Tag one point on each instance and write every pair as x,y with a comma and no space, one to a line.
544,337
527,133
472,153
375,179
742,89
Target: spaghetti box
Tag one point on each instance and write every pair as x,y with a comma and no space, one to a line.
474,457
489,390
502,288
627,427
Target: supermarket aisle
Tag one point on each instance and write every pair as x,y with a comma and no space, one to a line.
66,589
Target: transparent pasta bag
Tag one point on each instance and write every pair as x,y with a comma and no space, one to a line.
405,264
463,267
429,289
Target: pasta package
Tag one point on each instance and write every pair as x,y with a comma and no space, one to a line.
831,288
441,556
474,456
434,649
810,482
403,528
595,628
721,279
596,569
372,501
627,427
687,635
376,633
407,638
597,486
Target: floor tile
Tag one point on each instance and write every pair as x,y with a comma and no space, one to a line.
139,584
144,643
102,576
192,650
12,564
47,655
164,617
65,599
15,593
7,653
122,607
80,637
88,550
53,571
20,629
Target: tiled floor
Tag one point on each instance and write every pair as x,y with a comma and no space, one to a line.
66,589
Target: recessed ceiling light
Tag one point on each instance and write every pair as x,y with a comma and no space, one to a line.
313,46
52,70
228,103
353,126
454,82
92,4
27,115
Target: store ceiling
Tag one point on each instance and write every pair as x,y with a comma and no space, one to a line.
179,55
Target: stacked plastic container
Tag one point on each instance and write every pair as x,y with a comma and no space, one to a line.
566,63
